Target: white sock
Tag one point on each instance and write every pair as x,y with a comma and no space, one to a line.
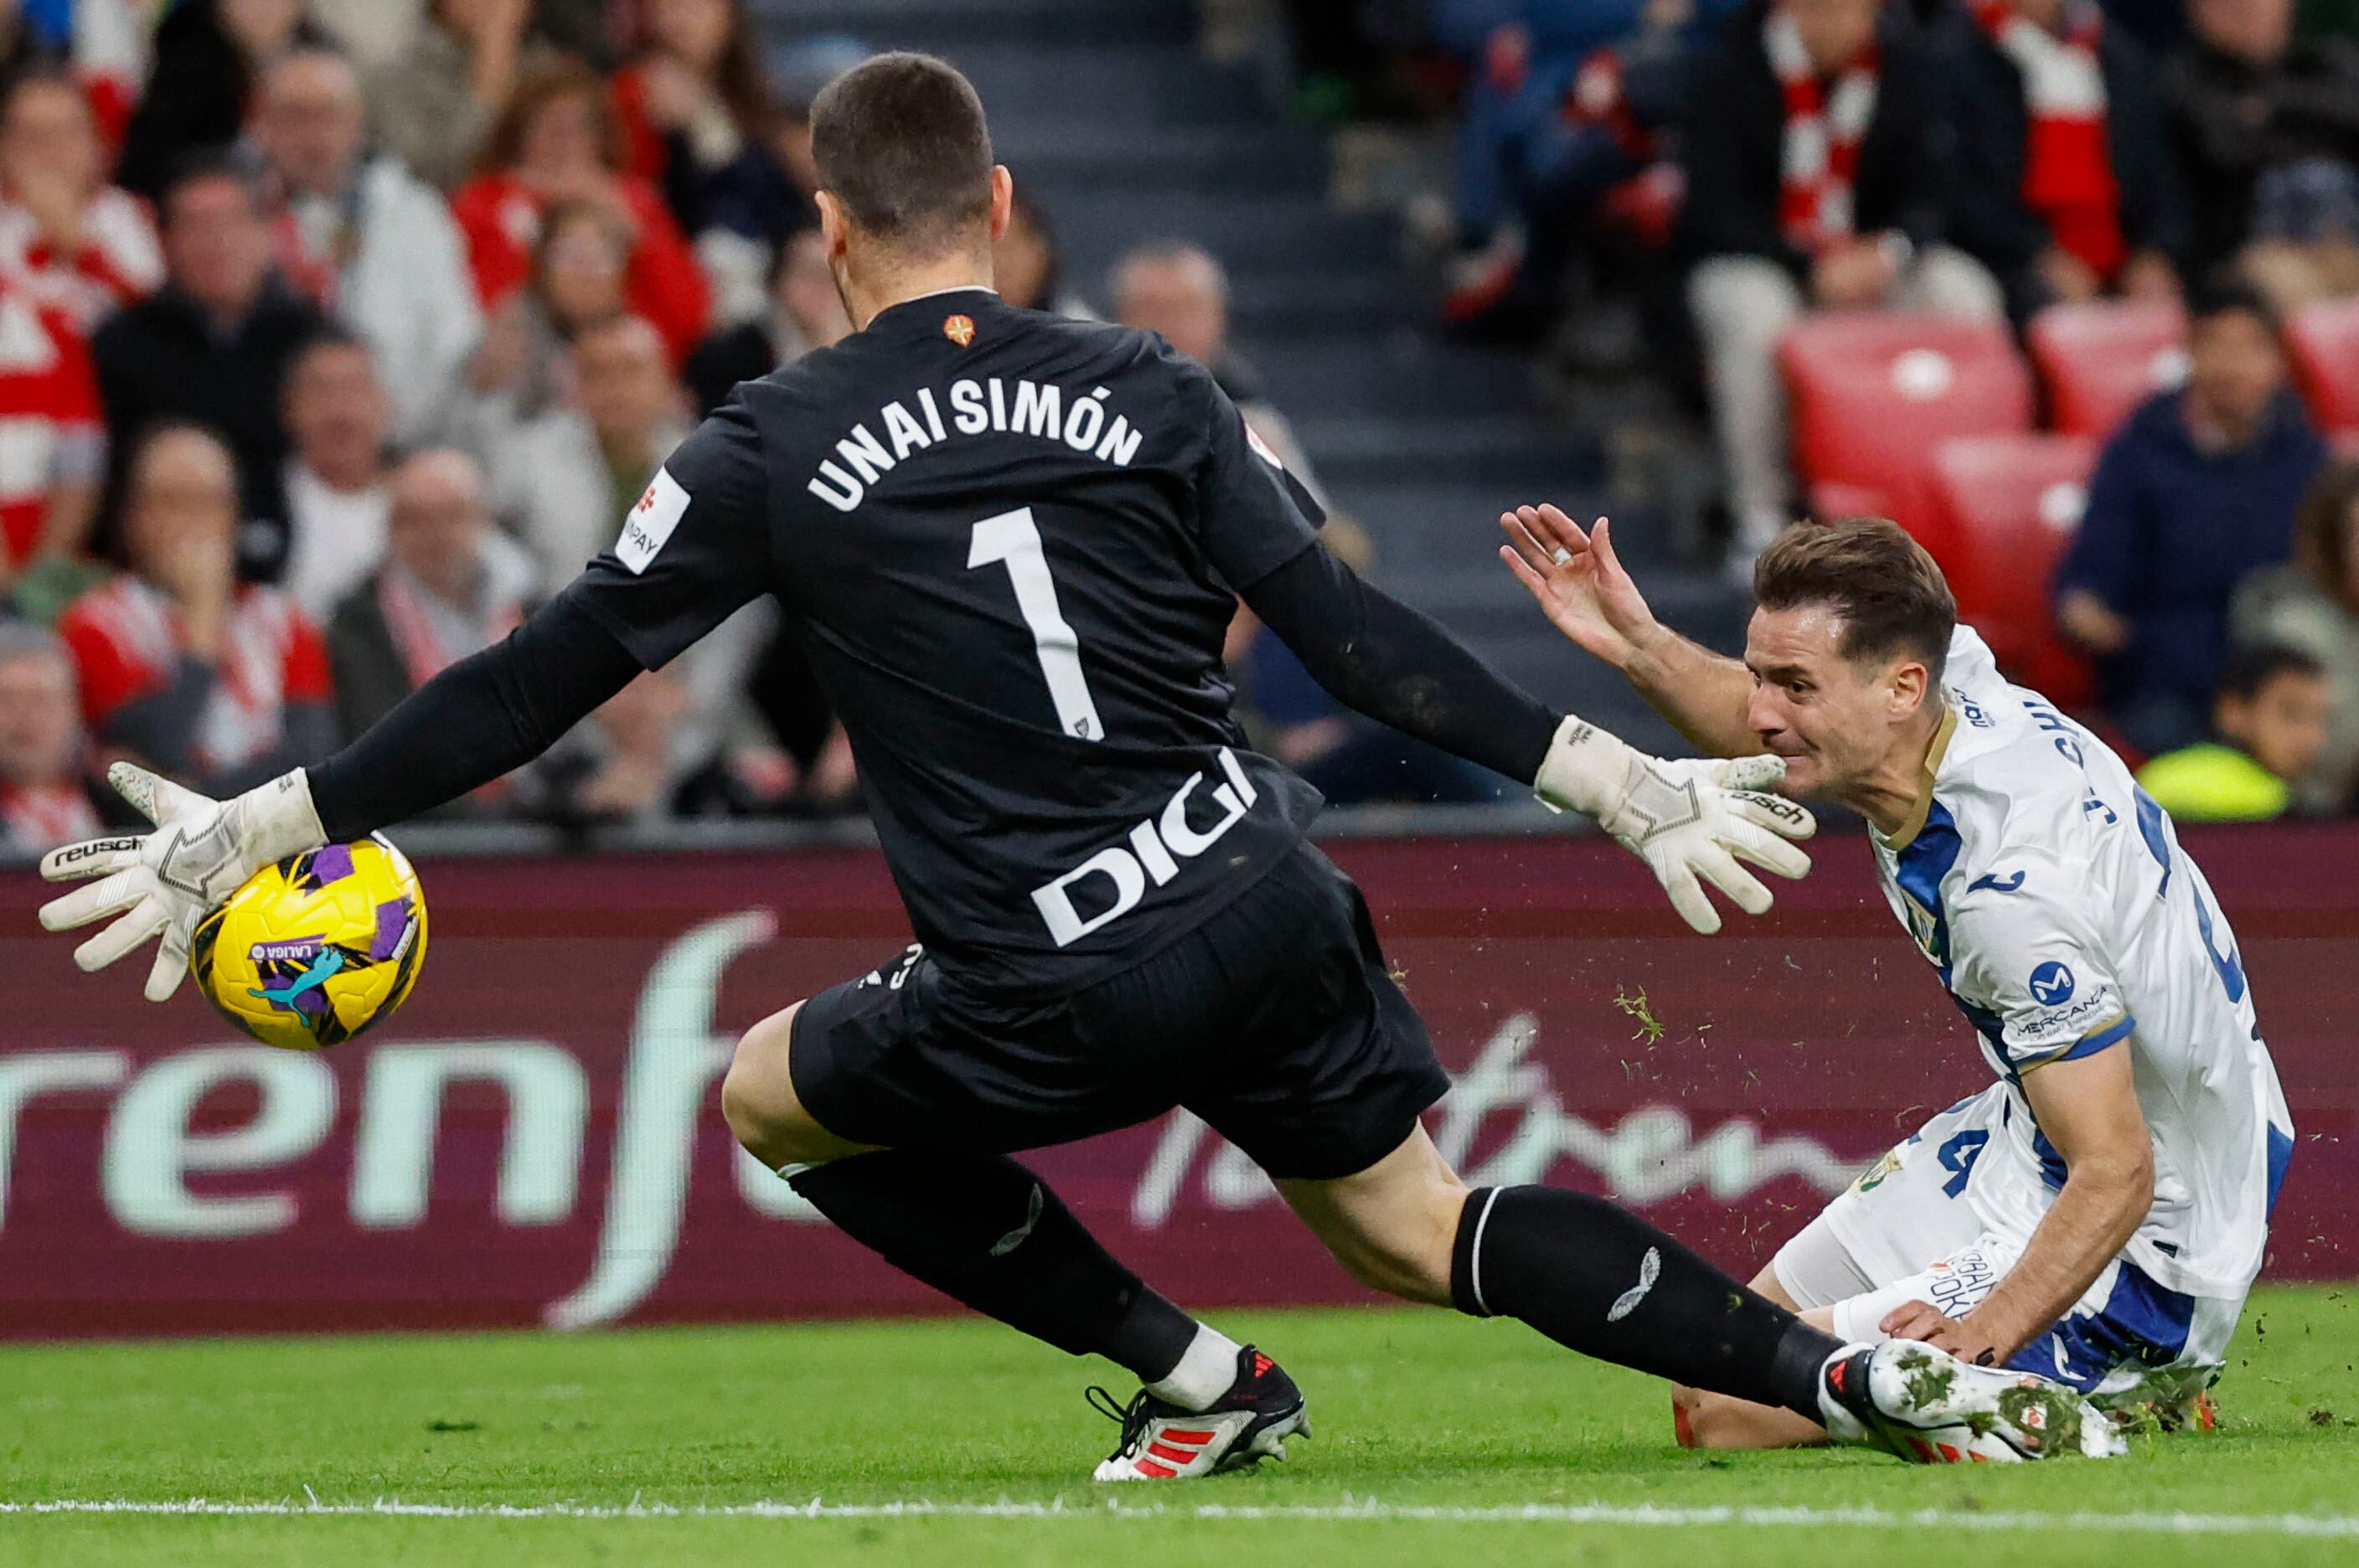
1205,1372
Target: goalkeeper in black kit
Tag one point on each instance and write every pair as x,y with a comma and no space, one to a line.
1009,544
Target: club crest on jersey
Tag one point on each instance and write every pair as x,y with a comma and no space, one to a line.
1925,928
1874,1175
960,330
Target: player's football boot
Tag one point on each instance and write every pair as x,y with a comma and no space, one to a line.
1931,1408
1161,1441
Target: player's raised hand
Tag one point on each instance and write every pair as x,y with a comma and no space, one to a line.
1692,822
161,884
1577,581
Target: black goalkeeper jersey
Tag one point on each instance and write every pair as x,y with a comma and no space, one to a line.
1010,543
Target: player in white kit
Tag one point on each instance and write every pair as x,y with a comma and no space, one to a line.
2098,1213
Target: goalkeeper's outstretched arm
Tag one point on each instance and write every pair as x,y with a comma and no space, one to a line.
1589,598
632,609
479,720
1692,822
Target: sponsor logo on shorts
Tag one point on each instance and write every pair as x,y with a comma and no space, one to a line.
1957,1285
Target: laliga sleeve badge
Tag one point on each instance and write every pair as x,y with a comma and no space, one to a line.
960,330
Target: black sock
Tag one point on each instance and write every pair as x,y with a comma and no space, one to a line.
1601,1280
986,1232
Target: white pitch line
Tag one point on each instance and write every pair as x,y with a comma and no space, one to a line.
2306,1526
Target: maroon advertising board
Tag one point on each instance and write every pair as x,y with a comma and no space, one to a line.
536,1139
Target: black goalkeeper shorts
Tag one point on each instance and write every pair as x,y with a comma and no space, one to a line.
1275,1021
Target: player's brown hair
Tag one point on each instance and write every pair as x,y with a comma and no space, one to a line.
1891,597
901,142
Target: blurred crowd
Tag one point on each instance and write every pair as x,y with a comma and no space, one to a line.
335,334
1730,171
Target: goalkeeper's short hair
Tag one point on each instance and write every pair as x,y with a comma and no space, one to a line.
901,143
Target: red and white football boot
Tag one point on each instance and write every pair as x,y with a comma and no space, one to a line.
1161,1441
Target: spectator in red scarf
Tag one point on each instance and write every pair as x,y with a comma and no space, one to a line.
220,684
698,121
73,239
50,426
1818,176
558,142
2069,191
45,794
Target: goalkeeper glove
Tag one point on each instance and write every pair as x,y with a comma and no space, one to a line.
1687,820
164,882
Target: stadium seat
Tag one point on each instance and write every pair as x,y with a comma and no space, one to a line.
2323,343
1873,394
2097,363
2009,506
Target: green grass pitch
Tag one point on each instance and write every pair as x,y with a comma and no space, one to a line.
1440,1441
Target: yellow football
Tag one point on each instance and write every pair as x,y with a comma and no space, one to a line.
316,949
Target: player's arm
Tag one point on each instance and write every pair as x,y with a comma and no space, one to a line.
2089,1109
1693,823
1587,595
691,554
2065,1029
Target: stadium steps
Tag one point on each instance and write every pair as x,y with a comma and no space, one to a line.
945,26
1107,111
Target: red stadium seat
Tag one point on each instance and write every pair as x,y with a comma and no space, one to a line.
2097,363
2323,342
1873,394
2009,506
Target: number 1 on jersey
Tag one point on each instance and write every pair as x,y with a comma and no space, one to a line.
1012,539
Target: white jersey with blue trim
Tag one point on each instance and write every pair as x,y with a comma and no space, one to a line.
2052,895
